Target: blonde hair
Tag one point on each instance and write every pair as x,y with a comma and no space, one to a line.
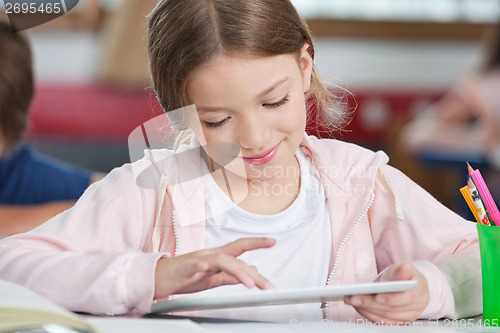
184,34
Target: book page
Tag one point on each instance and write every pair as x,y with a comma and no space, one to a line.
16,296
21,308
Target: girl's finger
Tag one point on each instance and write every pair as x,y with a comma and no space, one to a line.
247,275
380,312
242,245
401,298
403,271
388,317
370,303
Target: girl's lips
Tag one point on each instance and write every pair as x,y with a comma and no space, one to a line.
264,158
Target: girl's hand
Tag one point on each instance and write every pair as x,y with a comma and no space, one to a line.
394,307
210,268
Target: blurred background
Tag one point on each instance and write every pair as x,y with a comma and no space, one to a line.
396,57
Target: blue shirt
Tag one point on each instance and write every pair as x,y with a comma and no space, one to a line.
27,177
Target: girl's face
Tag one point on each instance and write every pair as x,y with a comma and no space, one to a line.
255,104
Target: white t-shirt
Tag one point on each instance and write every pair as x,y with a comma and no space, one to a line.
301,255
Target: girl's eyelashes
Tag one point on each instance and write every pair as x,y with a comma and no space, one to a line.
216,124
277,104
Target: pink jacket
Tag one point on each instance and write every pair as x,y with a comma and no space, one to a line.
100,256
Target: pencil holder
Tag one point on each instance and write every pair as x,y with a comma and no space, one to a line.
489,244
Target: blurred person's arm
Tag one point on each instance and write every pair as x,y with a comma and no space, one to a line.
477,102
15,219
467,108
451,108
461,104
449,123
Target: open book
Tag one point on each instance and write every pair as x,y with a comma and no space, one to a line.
22,309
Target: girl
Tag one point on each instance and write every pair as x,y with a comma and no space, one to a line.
248,198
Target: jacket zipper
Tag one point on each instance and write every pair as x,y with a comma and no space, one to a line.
340,250
176,236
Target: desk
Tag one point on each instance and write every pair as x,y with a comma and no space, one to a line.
455,161
139,325
465,325
448,147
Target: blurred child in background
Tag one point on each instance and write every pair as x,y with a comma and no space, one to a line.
33,187
464,124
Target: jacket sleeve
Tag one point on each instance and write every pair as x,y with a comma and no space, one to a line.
410,225
93,257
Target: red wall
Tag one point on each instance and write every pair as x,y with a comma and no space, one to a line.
100,113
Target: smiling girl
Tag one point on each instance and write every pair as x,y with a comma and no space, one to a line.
285,210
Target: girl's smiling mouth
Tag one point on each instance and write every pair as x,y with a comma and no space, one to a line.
263,158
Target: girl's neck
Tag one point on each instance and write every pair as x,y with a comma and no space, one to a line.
269,195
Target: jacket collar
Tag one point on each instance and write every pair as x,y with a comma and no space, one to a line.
333,161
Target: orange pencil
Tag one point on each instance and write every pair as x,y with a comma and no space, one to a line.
481,211
470,202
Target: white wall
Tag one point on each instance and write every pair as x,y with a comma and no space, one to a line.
62,57
65,57
395,64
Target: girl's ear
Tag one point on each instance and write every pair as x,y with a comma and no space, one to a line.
306,66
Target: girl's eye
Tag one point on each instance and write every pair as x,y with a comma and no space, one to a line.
216,124
277,104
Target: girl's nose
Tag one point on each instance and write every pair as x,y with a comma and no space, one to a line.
253,135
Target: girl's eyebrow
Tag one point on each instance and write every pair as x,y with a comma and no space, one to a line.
263,93
274,86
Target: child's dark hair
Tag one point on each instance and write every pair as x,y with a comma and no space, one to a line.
16,85
492,48
184,34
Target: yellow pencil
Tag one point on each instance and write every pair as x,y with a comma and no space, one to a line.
470,202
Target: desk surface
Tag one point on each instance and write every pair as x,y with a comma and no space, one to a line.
465,325
129,325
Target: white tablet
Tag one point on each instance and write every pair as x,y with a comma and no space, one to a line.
277,297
